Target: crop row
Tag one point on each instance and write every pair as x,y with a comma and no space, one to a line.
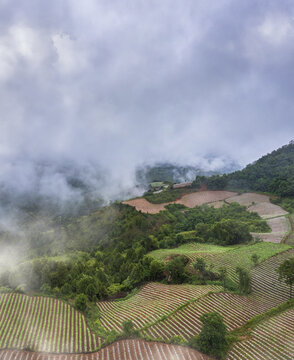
152,302
43,324
186,322
268,292
121,350
273,339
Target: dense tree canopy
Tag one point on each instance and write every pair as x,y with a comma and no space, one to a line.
272,173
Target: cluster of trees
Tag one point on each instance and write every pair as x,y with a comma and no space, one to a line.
107,251
273,173
212,339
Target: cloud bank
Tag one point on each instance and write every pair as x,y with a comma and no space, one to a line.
108,85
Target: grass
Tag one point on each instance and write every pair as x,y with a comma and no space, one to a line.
168,195
189,249
224,256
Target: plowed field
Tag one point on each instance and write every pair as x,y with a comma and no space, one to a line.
189,200
121,350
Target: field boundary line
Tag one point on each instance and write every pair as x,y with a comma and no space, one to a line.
180,307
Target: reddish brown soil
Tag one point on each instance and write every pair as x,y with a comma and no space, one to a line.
132,349
189,200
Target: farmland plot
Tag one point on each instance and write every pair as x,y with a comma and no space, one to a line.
204,197
223,256
152,302
280,226
133,349
272,339
268,292
190,200
248,199
43,324
267,210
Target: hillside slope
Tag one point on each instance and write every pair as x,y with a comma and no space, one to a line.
272,173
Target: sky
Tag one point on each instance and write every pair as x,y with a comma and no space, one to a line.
107,85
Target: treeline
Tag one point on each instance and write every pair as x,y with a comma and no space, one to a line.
273,173
114,244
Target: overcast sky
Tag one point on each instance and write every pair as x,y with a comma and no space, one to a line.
117,83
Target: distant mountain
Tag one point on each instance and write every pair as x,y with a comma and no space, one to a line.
272,173
175,173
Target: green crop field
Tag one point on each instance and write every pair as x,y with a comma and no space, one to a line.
149,304
220,256
267,292
272,339
43,324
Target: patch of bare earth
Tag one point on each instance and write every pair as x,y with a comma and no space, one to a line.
204,197
217,204
267,210
280,227
248,199
146,206
189,200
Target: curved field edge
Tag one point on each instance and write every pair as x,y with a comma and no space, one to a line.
130,349
189,200
235,309
219,256
270,333
44,324
153,303
289,238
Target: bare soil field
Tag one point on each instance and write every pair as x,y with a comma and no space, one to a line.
267,210
248,199
189,200
204,197
132,349
145,206
217,204
280,227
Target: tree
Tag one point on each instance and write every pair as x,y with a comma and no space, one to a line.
212,338
200,265
286,273
230,232
81,302
255,259
244,280
176,269
156,270
223,275
128,328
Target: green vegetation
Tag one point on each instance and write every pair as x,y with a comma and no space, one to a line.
166,196
273,173
81,302
114,244
290,237
286,273
244,280
223,256
212,338
245,330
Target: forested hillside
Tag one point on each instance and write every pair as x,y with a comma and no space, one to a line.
273,173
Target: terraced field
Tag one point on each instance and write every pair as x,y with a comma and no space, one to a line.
189,200
149,304
121,350
220,256
280,227
272,339
268,292
43,324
